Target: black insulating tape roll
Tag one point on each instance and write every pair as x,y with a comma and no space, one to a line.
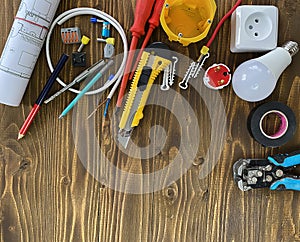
288,124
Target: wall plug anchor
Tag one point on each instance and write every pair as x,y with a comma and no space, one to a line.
165,85
194,68
200,63
173,70
184,83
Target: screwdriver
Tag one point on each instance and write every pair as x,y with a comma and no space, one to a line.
142,13
153,23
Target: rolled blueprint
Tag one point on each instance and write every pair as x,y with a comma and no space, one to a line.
23,47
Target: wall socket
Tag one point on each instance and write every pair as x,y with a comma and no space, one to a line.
254,28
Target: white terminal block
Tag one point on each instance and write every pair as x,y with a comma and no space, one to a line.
254,28
23,47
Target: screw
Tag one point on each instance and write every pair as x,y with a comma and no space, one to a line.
279,173
268,168
259,174
269,178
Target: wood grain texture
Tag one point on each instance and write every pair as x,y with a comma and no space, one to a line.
46,193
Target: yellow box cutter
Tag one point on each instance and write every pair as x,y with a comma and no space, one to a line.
154,59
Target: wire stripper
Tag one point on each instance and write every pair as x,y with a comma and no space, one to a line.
154,59
275,172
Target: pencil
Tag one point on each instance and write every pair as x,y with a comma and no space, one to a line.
36,107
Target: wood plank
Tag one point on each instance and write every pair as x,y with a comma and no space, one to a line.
47,194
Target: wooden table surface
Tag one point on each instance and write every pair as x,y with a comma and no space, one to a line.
47,194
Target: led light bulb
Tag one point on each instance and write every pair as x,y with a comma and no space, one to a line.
254,80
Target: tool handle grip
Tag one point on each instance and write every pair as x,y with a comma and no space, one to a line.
287,183
159,65
142,13
285,160
154,20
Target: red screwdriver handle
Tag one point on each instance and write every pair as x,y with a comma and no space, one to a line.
153,23
142,13
154,20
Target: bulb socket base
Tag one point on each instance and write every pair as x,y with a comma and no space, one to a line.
292,47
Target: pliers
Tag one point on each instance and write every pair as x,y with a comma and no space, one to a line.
275,172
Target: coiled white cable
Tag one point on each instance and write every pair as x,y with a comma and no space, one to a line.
94,12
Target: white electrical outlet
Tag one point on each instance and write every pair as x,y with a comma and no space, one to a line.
254,28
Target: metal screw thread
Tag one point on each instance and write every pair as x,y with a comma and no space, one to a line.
292,47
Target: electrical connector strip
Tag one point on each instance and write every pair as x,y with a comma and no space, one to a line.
70,35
